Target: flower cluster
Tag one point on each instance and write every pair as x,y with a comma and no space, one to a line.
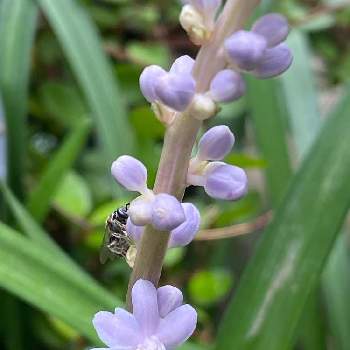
159,320
262,50
162,211
220,180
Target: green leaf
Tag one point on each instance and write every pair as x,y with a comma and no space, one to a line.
73,196
17,28
40,198
267,114
81,44
288,262
34,275
208,287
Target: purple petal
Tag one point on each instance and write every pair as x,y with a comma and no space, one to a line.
227,86
167,212
182,65
116,330
134,231
148,78
176,90
274,62
273,27
140,210
184,234
169,298
245,49
216,143
145,306
177,326
130,173
226,182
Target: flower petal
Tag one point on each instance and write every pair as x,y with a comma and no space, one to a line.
226,182
184,234
167,212
148,79
227,86
177,326
169,298
145,306
216,143
182,65
274,62
245,49
117,329
130,173
134,231
273,27
140,210
176,90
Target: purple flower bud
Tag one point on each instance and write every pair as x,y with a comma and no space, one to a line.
182,65
227,86
167,212
245,49
176,90
130,173
274,62
273,27
140,210
148,78
134,231
226,182
169,298
184,234
216,143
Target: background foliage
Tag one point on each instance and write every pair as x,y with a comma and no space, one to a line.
71,103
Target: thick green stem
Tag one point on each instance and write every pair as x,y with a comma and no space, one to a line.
179,141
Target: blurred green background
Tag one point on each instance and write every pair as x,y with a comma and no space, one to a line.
71,104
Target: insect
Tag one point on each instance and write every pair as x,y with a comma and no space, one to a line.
116,240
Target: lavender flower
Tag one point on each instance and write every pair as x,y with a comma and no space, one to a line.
174,89
181,235
219,180
261,51
163,211
158,322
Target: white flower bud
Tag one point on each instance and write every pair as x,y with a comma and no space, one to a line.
203,107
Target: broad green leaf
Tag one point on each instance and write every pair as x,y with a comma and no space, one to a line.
288,262
270,129
32,273
73,196
336,287
40,198
81,44
17,28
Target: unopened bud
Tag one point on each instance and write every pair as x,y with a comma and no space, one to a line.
203,107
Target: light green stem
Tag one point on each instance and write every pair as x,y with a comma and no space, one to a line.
179,140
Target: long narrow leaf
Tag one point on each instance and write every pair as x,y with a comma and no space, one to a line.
291,255
61,162
81,44
17,28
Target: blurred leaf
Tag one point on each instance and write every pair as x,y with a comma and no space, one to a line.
174,256
288,263
73,196
300,94
149,53
17,28
63,102
40,198
267,114
209,287
145,123
34,275
128,75
99,215
336,287
82,46
245,160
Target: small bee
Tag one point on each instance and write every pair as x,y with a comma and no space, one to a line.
116,240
